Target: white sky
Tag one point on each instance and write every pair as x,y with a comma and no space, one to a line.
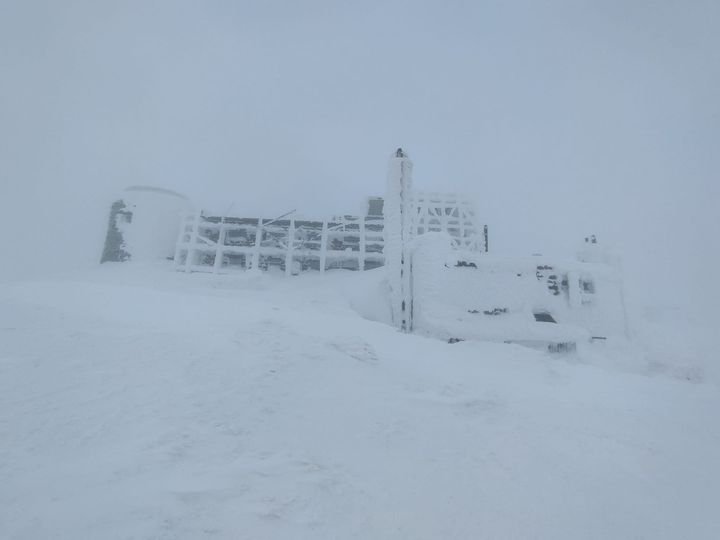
563,118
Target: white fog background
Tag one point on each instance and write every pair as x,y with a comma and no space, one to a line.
562,118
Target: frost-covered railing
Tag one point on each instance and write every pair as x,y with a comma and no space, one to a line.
218,244
222,244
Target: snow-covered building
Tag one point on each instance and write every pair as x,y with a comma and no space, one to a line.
143,224
541,302
441,284
439,278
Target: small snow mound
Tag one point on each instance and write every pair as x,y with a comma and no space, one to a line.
369,296
355,348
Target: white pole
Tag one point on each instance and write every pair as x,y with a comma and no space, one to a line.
398,212
323,246
361,257
256,251
290,245
219,249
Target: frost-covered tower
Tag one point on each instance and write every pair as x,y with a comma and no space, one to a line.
399,210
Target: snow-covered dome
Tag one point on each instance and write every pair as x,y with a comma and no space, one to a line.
144,224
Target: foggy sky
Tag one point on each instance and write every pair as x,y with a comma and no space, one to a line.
562,118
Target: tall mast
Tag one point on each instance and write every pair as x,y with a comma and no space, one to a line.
398,231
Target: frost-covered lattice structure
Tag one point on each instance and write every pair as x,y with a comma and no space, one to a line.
292,245
451,213
144,222
211,243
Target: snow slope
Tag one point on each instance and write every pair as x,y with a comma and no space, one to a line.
140,403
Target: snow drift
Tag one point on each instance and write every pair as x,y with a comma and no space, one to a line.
140,403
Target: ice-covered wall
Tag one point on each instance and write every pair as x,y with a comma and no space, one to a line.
144,224
469,296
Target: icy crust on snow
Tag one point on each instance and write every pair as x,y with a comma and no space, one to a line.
470,295
141,403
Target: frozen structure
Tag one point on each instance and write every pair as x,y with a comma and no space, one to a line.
439,278
540,302
410,214
291,244
442,285
400,227
143,224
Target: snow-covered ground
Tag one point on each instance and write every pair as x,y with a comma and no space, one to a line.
140,403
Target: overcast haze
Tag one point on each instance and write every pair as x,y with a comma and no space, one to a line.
560,118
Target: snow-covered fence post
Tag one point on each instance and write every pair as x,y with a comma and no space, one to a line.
362,247
219,249
255,261
323,246
398,210
290,247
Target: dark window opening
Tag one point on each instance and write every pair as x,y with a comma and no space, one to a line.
544,316
587,286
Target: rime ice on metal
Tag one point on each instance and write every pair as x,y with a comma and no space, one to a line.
293,244
399,230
